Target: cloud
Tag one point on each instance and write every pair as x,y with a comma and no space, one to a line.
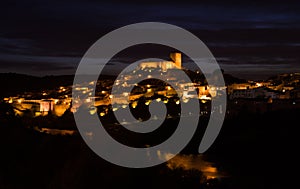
53,35
53,65
92,14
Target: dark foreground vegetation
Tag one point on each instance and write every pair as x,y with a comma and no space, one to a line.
253,150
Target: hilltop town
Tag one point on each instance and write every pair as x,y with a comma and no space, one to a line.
278,92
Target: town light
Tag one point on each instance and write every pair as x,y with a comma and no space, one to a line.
185,100
134,104
147,102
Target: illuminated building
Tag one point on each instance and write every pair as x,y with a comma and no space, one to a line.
164,65
41,107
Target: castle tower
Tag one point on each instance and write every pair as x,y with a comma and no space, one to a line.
176,58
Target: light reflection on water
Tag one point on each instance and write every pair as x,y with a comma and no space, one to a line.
180,161
62,132
194,162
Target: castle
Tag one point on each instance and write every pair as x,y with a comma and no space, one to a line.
164,65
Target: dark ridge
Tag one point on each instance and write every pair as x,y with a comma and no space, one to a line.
229,79
13,83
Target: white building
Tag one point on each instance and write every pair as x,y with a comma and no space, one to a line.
260,92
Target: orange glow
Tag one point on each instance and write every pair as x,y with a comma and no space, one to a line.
258,84
147,102
134,104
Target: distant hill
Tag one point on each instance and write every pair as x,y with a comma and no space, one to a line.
229,79
13,83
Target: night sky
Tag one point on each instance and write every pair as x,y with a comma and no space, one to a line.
252,40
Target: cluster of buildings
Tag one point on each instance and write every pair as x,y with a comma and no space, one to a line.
284,86
40,104
278,93
175,62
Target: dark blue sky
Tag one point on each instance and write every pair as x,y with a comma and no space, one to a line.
249,39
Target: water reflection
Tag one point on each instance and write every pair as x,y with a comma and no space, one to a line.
194,162
62,132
